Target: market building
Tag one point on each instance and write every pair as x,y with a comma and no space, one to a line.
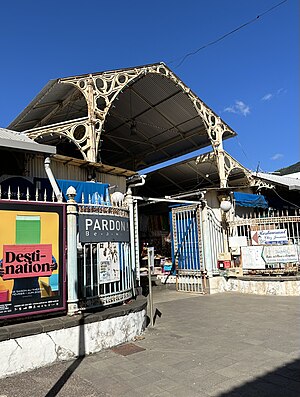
96,133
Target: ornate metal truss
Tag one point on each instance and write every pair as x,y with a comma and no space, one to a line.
228,167
100,90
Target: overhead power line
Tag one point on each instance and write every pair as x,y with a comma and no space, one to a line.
184,57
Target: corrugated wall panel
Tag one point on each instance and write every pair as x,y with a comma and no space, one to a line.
35,167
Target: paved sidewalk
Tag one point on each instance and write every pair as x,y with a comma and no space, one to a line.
225,345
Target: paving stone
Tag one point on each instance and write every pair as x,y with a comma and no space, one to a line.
217,346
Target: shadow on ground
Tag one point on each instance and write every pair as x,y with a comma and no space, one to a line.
282,382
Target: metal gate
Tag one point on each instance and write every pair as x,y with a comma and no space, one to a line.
187,248
214,241
105,274
198,238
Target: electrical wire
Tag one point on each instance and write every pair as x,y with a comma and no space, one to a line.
183,58
295,205
241,147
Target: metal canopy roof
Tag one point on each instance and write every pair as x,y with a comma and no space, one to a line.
142,116
285,181
14,141
198,173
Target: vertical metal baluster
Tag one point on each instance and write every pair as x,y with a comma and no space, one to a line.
84,271
98,268
92,270
297,233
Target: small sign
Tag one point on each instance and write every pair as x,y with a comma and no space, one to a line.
281,254
269,237
95,228
252,257
238,241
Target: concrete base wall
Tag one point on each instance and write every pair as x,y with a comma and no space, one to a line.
29,352
263,287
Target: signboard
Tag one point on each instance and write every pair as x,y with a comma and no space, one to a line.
235,244
257,257
252,257
238,241
32,262
268,237
281,254
95,228
109,262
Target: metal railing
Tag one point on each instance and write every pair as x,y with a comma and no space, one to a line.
105,275
25,195
267,220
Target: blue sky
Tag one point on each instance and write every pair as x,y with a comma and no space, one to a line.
251,78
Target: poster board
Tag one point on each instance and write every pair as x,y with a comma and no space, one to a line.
281,254
32,258
252,257
108,262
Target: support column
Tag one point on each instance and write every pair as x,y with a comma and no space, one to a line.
133,242
136,241
221,167
206,241
72,272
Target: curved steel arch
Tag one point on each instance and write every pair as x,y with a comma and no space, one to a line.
66,129
101,89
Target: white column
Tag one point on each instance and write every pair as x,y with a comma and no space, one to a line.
130,203
72,272
206,241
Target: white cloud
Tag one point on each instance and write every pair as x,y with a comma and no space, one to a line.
281,91
238,108
267,97
277,156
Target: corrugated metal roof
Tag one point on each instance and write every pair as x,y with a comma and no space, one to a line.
191,175
14,136
290,183
167,124
13,140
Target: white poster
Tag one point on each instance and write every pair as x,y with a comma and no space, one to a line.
108,262
252,257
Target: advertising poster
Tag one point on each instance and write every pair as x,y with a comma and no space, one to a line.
32,274
108,262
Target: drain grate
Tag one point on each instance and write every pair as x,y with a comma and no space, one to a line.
127,349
